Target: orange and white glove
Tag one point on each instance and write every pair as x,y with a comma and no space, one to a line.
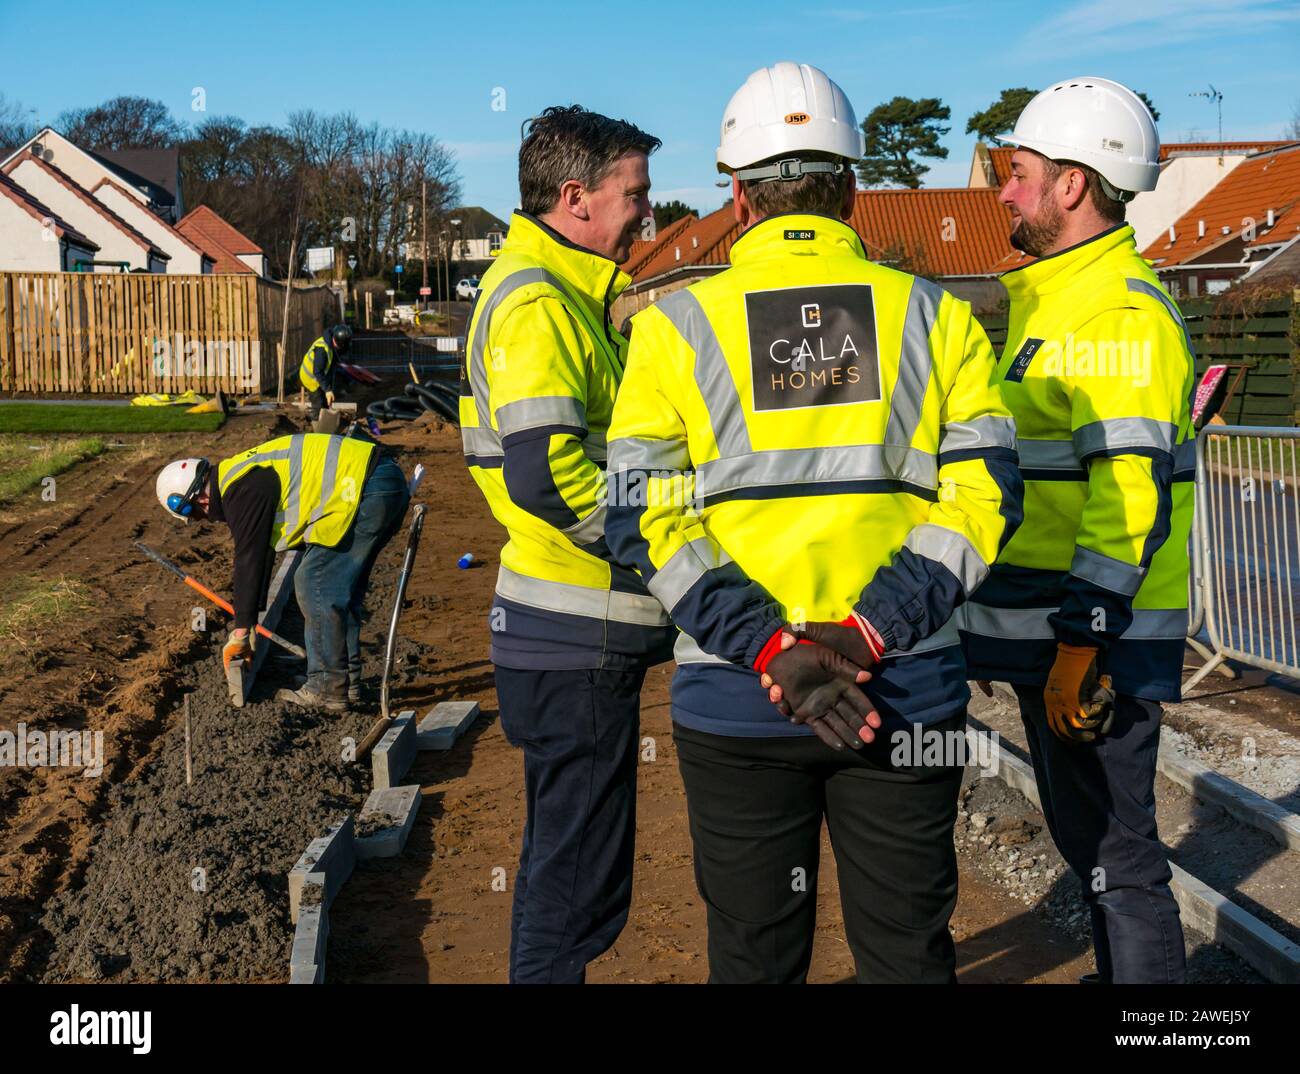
238,647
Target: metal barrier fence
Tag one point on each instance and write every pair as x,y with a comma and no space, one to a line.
1246,548
437,356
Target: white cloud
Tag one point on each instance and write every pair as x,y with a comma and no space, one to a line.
1105,26
483,150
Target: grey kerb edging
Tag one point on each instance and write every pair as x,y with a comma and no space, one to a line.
328,861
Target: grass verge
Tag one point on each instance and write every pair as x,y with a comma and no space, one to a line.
22,468
52,418
32,604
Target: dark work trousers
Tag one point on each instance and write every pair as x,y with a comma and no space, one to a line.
315,403
1099,802
579,733
756,807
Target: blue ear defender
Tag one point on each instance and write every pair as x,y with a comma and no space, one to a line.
177,503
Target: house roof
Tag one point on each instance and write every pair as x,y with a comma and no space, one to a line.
144,208
1001,155
152,171
644,249
1247,193
935,232
94,204
38,210
476,222
205,226
1173,149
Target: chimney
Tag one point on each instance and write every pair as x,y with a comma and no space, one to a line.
1200,229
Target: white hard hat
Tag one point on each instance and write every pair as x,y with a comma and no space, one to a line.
179,484
1096,122
782,111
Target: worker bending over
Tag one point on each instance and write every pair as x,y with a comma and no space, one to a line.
319,367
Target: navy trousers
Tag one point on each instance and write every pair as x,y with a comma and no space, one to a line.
579,733
1099,802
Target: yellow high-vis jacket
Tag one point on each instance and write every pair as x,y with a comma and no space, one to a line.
1098,371
543,364
803,434
318,366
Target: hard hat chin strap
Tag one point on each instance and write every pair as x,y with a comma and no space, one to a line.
1113,192
790,168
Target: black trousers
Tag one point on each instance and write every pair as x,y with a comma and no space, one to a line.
579,733
315,403
756,807
1099,802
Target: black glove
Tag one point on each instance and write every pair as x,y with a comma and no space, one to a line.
820,688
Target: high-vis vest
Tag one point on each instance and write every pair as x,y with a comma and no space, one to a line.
804,434
321,479
1098,371
543,364
316,365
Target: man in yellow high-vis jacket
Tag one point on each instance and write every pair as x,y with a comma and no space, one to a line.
341,500
572,632
318,372
810,441
1085,611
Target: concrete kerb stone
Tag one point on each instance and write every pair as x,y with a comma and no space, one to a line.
332,857
1275,957
393,754
311,935
386,821
445,723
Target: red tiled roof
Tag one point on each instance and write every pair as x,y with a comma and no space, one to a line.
1173,148
1256,185
41,212
205,226
93,204
936,232
136,201
644,249
1001,155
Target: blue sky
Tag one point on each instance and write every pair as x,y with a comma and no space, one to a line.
666,65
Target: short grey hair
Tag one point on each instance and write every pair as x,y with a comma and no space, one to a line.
572,143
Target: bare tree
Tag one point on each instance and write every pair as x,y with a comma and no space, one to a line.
122,123
17,123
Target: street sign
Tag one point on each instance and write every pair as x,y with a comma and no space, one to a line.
398,268
390,293
352,262
426,290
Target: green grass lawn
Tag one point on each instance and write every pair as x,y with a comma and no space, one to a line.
45,418
21,468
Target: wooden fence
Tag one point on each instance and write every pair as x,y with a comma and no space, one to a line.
69,332
1263,335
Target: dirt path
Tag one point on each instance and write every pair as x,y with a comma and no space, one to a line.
441,911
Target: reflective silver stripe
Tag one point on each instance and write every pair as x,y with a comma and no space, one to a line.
1019,623
914,363
1106,571
291,504
686,650
952,549
1030,624
327,480
589,529
1145,288
1118,433
712,374
569,599
793,466
639,453
1158,623
1047,455
240,467
478,379
985,432
539,411
480,440
945,636
684,568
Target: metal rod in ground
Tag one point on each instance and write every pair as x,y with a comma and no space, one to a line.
189,765
412,543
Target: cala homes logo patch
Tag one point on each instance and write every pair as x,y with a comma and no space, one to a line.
813,346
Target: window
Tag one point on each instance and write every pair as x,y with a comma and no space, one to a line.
495,239
1217,287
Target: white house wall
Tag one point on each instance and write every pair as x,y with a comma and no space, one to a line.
1184,181
114,244
80,167
25,245
257,262
184,260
